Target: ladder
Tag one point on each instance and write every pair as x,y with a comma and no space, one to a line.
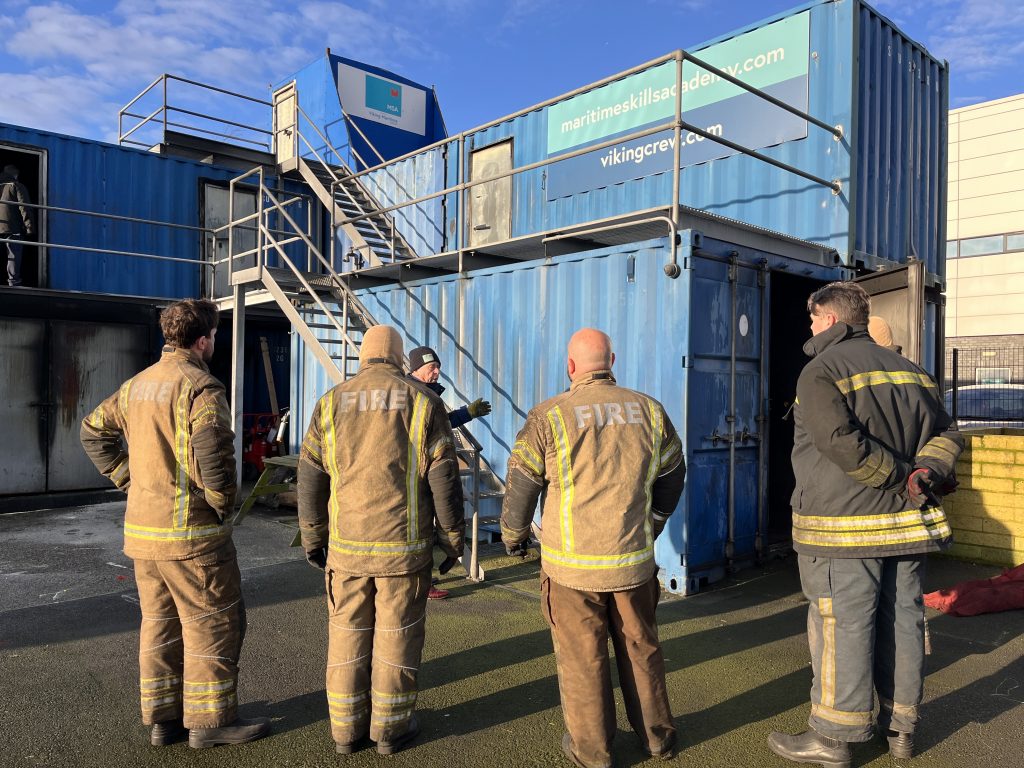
331,320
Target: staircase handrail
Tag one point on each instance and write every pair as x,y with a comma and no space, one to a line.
384,166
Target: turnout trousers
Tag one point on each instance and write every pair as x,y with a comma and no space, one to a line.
193,623
375,644
581,623
865,629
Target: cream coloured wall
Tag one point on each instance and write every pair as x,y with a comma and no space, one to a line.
985,294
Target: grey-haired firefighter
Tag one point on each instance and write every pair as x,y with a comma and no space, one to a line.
873,452
165,438
377,466
610,468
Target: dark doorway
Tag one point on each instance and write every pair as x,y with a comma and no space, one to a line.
788,330
31,165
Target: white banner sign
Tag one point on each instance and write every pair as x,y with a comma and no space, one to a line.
381,100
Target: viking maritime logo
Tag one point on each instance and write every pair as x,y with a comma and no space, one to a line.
384,96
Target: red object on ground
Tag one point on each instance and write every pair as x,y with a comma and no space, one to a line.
973,598
437,594
258,430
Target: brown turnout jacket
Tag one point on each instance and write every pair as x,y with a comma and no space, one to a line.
377,466
609,465
165,437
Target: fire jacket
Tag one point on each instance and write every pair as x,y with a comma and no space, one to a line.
609,467
377,465
865,418
165,437
456,418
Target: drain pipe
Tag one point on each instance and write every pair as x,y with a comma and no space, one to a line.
730,419
762,417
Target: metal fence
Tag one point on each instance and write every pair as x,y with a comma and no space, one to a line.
984,387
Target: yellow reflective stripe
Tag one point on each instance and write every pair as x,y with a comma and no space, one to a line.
412,469
594,562
118,473
657,433
436,450
528,456
181,490
565,482
839,716
172,534
159,683
876,378
828,651
669,454
122,396
209,686
876,468
331,455
379,548
919,533
403,697
903,519
219,498
941,448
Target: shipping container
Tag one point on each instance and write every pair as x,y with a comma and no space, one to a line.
720,344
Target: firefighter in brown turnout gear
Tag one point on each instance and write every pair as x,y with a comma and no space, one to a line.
873,451
165,438
377,465
609,466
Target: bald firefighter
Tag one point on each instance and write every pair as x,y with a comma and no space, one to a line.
377,466
609,466
165,439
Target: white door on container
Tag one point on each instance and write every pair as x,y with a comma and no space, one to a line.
490,204
216,214
286,102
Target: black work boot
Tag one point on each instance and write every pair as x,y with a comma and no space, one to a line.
401,742
239,732
901,745
349,747
810,747
567,749
167,732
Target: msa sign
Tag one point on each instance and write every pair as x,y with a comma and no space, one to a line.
381,100
773,58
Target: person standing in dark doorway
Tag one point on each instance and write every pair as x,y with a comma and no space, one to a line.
873,453
15,220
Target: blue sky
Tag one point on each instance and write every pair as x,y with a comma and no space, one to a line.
68,66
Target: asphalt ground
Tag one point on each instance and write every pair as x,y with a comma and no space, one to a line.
736,656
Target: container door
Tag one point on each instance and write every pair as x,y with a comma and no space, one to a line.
215,216
898,296
723,394
88,362
23,406
285,116
490,204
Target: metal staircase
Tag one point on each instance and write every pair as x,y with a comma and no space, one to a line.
331,321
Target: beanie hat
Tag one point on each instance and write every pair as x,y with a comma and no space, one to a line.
422,356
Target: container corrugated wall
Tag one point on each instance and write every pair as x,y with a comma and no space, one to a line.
901,143
93,176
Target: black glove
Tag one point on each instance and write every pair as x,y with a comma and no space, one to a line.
517,550
478,408
922,485
317,557
447,565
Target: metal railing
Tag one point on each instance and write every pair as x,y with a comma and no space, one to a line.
984,387
462,141
166,115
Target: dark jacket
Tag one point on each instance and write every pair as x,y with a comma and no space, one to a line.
865,418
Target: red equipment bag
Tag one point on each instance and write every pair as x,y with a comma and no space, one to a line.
973,598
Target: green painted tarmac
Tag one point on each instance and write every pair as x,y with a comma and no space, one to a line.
736,658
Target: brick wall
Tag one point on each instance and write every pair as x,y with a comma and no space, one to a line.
987,512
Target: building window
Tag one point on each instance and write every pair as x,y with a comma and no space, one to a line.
981,246
951,249
992,375
1015,242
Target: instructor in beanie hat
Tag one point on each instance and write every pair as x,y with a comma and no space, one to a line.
425,366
